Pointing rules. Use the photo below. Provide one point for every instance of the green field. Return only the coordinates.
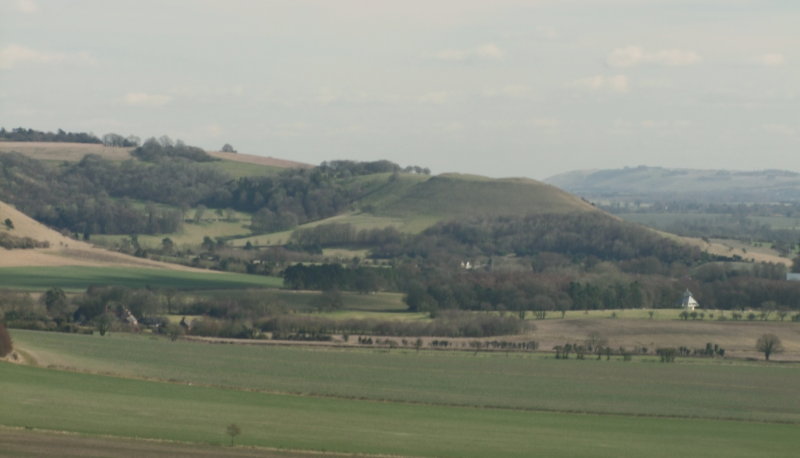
(698, 388)
(99, 405)
(238, 169)
(72, 278)
(190, 234)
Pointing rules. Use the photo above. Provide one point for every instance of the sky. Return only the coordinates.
(502, 88)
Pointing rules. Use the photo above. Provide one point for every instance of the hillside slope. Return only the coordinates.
(658, 183)
(63, 251)
(72, 152)
(451, 196)
(412, 203)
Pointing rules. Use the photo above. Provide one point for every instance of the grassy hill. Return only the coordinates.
(452, 196)
(703, 185)
(412, 203)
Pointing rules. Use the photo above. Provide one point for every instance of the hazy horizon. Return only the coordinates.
(502, 88)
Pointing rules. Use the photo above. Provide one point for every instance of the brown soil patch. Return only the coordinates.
(260, 160)
(73, 152)
(737, 338)
(63, 251)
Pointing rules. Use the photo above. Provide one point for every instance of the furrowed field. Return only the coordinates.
(427, 403)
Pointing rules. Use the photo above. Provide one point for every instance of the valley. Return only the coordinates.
(372, 309)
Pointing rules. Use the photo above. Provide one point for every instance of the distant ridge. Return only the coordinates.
(670, 183)
(73, 152)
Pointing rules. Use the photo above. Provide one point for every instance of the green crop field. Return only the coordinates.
(385, 305)
(696, 388)
(244, 169)
(72, 278)
(101, 405)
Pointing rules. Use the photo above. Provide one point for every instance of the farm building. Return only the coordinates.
(688, 302)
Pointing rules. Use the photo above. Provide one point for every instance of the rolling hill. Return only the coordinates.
(235, 163)
(62, 250)
(451, 196)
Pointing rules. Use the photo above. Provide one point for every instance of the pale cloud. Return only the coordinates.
(453, 127)
(436, 97)
(487, 51)
(613, 83)
(545, 126)
(214, 130)
(510, 90)
(631, 56)
(772, 59)
(27, 6)
(144, 99)
(15, 55)
(664, 126)
(545, 123)
(780, 129)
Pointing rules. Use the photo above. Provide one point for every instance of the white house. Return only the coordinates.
(688, 302)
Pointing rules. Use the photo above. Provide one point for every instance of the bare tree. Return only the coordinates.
(769, 344)
(233, 430)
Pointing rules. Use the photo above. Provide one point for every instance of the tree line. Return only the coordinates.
(20, 134)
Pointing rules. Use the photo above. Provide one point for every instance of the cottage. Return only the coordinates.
(688, 302)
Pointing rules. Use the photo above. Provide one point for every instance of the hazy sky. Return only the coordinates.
(494, 87)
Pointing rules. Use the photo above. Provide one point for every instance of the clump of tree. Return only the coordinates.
(327, 277)
(154, 150)
(11, 242)
(120, 141)
(667, 355)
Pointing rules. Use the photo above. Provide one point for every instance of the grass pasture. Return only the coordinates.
(431, 403)
(78, 278)
(190, 234)
(239, 169)
(99, 405)
(359, 220)
(699, 388)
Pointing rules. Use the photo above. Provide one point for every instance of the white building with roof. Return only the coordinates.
(688, 302)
